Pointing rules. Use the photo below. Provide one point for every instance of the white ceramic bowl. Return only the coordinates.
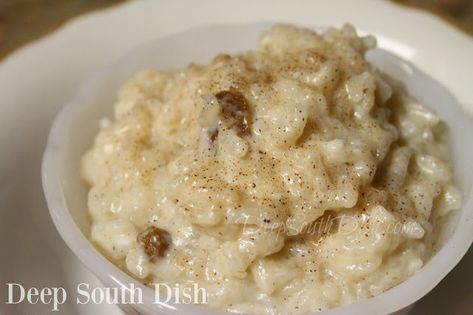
(75, 126)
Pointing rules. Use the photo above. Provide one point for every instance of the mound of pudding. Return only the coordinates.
(285, 180)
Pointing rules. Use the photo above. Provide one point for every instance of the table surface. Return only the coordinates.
(22, 21)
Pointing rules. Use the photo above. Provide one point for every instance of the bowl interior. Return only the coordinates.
(78, 122)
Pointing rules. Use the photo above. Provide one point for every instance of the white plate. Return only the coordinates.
(37, 80)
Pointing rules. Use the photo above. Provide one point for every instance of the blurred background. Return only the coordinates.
(24, 20)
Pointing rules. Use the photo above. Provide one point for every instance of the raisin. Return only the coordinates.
(235, 110)
(155, 241)
(213, 135)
